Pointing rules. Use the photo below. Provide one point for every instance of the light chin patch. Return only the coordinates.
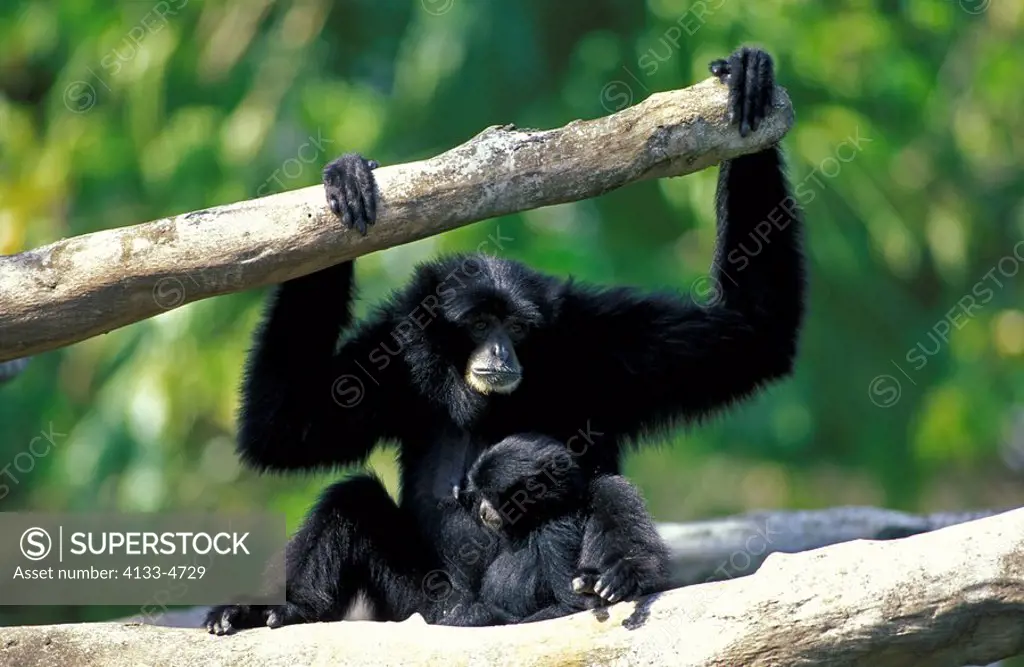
(486, 387)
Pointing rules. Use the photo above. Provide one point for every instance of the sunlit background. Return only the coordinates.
(908, 392)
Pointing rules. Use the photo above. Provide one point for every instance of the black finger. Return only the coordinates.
(370, 206)
(584, 583)
(736, 80)
(346, 215)
(368, 194)
(335, 205)
(750, 92)
(767, 77)
(608, 582)
(354, 202)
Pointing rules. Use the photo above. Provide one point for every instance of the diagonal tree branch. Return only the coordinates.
(87, 285)
(947, 598)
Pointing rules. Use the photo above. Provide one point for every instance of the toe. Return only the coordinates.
(223, 626)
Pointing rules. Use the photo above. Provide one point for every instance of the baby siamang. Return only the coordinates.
(477, 348)
(569, 542)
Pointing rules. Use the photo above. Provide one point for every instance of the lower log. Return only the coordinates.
(951, 597)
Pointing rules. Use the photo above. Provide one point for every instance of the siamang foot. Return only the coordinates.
(750, 75)
(352, 190)
(615, 584)
(226, 619)
(285, 614)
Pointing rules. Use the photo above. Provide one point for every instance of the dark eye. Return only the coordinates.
(516, 328)
(479, 326)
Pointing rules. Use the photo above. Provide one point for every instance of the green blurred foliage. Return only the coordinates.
(906, 148)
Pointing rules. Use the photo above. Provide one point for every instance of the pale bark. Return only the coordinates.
(87, 285)
(951, 597)
(735, 546)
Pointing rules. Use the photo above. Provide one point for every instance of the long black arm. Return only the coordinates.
(639, 360)
(305, 405)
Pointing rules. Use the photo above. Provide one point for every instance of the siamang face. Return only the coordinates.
(493, 365)
(521, 481)
(496, 307)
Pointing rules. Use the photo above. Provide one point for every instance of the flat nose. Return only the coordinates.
(500, 352)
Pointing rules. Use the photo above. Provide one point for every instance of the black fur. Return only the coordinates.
(569, 542)
(600, 367)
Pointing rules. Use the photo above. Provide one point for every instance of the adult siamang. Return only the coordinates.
(569, 542)
(477, 348)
